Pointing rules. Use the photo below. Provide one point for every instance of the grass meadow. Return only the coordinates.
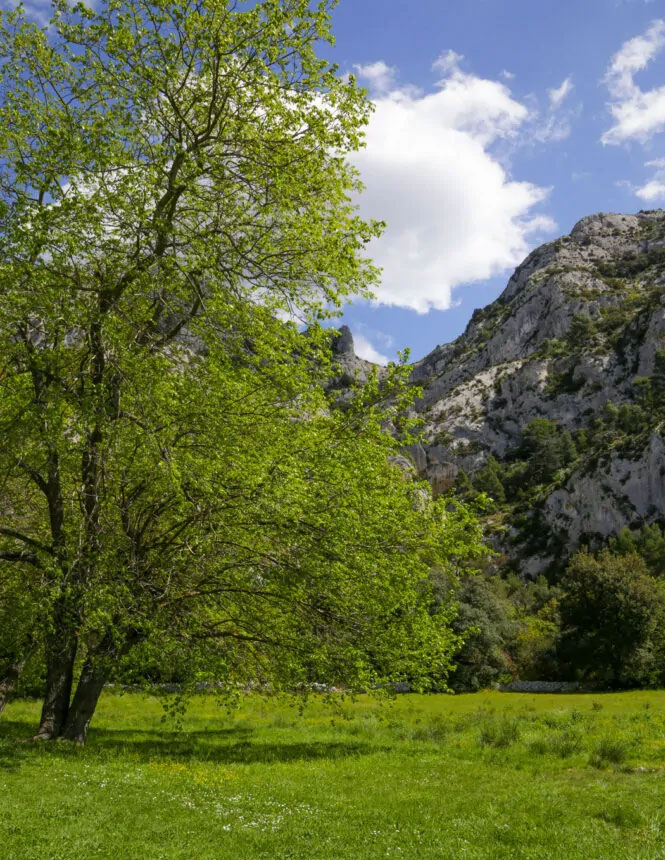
(485, 775)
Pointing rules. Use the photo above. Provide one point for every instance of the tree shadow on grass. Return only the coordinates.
(11, 756)
(182, 749)
(222, 746)
(13, 753)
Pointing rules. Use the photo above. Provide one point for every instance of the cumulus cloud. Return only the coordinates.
(366, 349)
(454, 214)
(637, 114)
(558, 94)
(654, 188)
(379, 76)
(447, 62)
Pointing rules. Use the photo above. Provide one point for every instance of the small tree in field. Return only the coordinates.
(172, 182)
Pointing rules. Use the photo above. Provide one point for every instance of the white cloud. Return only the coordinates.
(507, 75)
(447, 62)
(365, 349)
(652, 190)
(39, 10)
(553, 128)
(555, 123)
(379, 76)
(637, 114)
(558, 94)
(634, 56)
(454, 214)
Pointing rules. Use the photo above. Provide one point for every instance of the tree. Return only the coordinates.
(658, 378)
(172, 180)
(546, 449)
(567, 448)
(484, 622)
(648, 543)
(489, 480)
(612, 615)
(582, 329)
(650, 392)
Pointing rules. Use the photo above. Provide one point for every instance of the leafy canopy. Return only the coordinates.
(173, 181)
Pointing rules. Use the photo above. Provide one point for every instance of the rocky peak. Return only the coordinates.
(342, 344)
(579, 321)
(349, 366)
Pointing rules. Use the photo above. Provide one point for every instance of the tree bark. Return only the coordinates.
(85, 700)
(91, 682)
(9, 676)
(60, 656)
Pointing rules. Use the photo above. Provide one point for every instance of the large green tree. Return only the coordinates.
(172, 183)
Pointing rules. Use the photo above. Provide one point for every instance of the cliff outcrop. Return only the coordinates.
(551, 401)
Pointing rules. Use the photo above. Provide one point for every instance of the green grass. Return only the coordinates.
(476, 776)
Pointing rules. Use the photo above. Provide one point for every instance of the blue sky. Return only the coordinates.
(499, 123)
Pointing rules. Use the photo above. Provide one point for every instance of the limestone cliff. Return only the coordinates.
(573, 340)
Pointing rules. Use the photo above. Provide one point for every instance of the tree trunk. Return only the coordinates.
(60, 656)
(85, 700)
(9, 675)
(91, 683)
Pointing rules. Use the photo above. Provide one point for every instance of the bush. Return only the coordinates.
(499, 734)
(648, 542)
(434, 731)
(625, 817)
(563, 743)
(608, 751)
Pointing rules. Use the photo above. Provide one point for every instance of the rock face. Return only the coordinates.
(580, 320)
(350, 366)
(621, 492)
(342, 346)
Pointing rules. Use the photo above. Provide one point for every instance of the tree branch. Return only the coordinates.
(10, 555)
(25, 539)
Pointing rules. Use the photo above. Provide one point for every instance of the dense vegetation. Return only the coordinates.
(602, 623)
(596, 617)
(548, 453)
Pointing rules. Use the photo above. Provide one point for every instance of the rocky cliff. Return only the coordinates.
(551, 400)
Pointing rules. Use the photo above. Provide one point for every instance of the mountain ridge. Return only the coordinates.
(560, 370)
